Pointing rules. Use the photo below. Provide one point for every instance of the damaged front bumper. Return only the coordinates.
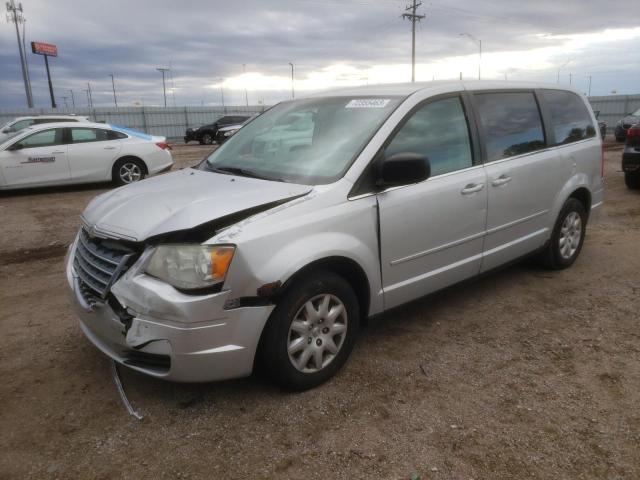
(168, 334)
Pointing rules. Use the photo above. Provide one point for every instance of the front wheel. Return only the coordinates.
(207, 139)
(632, 180)
(311, 332)
(128, 170)
(567, 237)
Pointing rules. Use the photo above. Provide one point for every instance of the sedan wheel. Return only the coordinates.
(130, 173)
(207, 139)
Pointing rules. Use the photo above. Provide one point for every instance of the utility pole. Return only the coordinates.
(89, 96)
(14, 14)
(164, 87)
(246, 96)
(413, 17)
(113, 85)
(64, 99)
(73, 100)
(589, 94)
(26, 59)
(479, 43)
(292, 95)
(560, 68)
(570, 79)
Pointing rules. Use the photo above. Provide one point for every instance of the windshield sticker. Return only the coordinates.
(368, 103)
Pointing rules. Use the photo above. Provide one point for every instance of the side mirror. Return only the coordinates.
(403, 169)
(16, 146)
(6, 130)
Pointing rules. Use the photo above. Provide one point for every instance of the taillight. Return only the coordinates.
(633, 135)
(602, 160)
(163, 145)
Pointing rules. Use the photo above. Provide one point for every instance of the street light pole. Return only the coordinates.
(113, 85)
(221, 80)
(292, 95)
(164, 87)
(589, 94)
(73, 100)
(479, 43)
(246, 96)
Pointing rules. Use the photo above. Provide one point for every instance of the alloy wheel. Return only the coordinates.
(130, 172)
(570, 235)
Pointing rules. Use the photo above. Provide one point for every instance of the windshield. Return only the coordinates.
(636, 113)
(311, 141)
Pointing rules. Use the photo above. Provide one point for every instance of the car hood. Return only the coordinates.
(179, 201)
(630, 119)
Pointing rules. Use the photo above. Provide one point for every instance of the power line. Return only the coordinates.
(413, 17)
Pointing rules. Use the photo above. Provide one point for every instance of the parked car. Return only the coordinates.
(206, 134)
(271, 253)
(224, 133)
(631, 158)
(9, 129)
(58, 153)
(625, 123)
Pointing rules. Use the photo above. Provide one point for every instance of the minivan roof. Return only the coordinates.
(406, 89)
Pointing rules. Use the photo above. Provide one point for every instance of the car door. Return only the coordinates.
(523, 174)
(431, 232)
(37, 159)
(91, 154)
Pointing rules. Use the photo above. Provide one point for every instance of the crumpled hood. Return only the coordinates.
(179, 201)
(630, 120)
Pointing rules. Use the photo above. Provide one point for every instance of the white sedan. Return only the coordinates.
(58, 153)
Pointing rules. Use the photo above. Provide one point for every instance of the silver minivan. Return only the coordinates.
(325, 211)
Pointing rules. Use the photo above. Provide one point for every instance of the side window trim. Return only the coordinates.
(482, 135)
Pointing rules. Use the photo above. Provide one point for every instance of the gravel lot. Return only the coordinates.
(521, 374)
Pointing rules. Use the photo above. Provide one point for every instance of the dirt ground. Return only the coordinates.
(523, 374)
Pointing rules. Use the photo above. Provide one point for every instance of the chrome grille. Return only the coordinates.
(98, 265)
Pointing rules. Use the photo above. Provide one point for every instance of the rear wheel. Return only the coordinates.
(128, 170)
(567, 237)
(311, 332)
(632, 180)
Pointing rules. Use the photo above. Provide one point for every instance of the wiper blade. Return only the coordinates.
(242, 172)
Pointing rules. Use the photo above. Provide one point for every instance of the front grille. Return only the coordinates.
(98, 264)
(149, 361)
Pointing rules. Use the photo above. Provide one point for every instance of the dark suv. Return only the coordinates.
(206, 134)
(631, 158)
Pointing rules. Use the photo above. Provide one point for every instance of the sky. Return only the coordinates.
(208, 44)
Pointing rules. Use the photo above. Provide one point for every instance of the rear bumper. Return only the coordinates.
(631, 159)
(172, 336)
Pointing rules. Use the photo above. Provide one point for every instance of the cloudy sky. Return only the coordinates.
(330, 42)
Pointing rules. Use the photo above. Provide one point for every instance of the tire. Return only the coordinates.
(128, 170)
(567, 237)
(207, 139)
(632, 180)
(298, 324)
(620, 139)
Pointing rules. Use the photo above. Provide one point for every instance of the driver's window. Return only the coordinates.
(45, 138)
(439, 131)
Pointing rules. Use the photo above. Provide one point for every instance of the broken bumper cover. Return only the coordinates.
(173, 336)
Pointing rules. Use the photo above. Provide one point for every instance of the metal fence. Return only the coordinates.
(171, 122)
(613, 107)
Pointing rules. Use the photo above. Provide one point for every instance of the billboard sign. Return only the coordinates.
(40, 48)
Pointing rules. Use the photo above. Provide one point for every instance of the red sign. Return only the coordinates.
(40, 48)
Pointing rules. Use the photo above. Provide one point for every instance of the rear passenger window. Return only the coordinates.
(84, 135)
(569, 116)
(439, 131)
(113, 135)
(511, 123)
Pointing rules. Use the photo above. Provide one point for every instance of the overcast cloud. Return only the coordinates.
(330, 42)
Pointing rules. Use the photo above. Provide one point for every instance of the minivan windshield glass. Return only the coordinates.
(312, 141)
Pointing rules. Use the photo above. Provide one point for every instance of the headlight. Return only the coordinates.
(190, 267)
(229, 133)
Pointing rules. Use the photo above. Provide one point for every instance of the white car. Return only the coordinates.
(9, 129)
(58, 153)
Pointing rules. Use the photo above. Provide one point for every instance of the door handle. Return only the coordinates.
(472, 188)
(57, 153)
(501, 180)
(109, 148)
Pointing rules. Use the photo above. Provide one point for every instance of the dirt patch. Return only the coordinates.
(521, 374)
